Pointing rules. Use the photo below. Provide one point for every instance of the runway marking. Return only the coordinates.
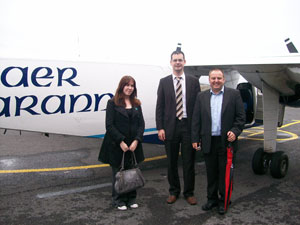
(253, 132)
(249, 137)
(71, 168)
(72, 191)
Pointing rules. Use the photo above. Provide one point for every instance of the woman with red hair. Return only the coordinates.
(124, 133)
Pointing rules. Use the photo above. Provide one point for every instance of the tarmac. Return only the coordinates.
(58, 180)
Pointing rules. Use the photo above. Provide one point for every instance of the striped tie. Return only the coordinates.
(179, 103)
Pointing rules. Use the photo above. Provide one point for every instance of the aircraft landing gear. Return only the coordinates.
(278, 163)
(260, 162)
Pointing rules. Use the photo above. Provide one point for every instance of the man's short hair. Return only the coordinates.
(177, 53)
(215, 69)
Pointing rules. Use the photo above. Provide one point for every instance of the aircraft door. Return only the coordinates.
(248, 96)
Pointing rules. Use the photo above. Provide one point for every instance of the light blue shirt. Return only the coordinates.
(216, 101)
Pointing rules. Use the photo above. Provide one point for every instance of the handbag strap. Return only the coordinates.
(123, 159)
(135, 162)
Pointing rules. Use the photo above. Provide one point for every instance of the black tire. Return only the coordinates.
(279, 164)
(260, 162)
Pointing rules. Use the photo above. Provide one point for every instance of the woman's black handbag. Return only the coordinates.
(129, 180)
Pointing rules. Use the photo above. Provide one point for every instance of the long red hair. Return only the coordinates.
(119, 98)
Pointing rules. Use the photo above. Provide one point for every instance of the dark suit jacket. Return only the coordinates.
(119, 127)
(166, 103)
(232, 118)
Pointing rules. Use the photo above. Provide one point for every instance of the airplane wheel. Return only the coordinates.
(279, 164)
(260, 162)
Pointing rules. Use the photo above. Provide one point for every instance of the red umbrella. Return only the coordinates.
(228, 175)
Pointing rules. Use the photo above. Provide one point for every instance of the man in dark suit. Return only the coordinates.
(176, 96)
(218, 118)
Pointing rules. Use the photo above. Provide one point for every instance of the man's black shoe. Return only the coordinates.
(221, 210)
(209, 206)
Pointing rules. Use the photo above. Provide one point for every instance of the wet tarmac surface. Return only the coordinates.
(69, 186)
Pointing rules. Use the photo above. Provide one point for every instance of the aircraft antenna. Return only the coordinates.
(78, 43)
(291, 47)
(178, 49)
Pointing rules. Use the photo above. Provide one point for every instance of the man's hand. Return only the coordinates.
(196, 146)
(162, 135)
(231, 136)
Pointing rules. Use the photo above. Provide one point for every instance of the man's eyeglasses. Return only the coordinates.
(177, 60)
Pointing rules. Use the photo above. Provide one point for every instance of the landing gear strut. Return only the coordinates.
(278, 163)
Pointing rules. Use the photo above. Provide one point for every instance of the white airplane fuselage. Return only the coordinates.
(69, 97)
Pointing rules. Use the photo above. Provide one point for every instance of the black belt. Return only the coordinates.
(215, 136)
(182, 120)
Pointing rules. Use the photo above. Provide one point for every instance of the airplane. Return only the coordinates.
(65, 97)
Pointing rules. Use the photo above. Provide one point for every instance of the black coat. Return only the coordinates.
(166, 103)
(232, 118)
(120, 127)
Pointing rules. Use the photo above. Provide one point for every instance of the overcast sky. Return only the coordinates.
(138, 31)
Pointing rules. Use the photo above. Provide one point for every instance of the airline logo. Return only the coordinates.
(15, 77)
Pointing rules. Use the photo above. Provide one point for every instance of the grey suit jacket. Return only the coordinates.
(166, 104)
(232, 118)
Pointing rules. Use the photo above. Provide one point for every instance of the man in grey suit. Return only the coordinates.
(218, 119)
(176, 96)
